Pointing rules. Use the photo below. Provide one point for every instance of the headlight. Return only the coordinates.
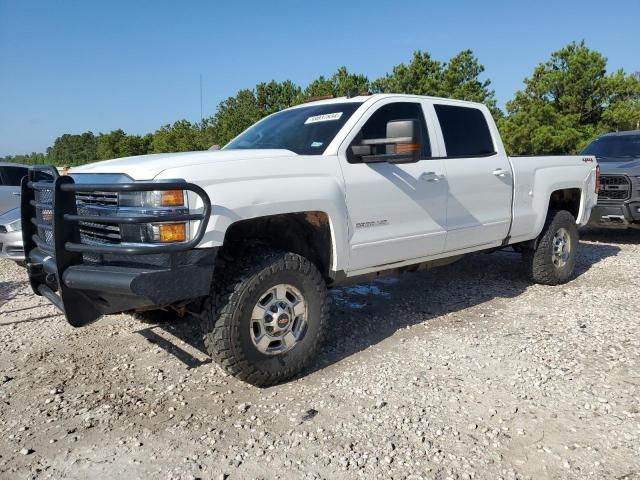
(155, 203)
(155, 232)
(14, 226)
(154, 199)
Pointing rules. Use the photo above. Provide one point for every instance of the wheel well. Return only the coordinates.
(566, 199)
(305, 233)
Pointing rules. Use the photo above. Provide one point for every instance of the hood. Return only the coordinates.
(147, 167)
(630, 167)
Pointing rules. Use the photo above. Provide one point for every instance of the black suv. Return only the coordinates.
(619, 197)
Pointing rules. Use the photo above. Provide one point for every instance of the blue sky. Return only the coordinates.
(72, 66)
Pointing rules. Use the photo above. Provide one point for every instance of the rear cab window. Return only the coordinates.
(465, 131)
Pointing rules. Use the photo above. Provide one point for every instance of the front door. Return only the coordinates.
(397, 211)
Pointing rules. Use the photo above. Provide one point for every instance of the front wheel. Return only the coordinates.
(266, 317)
(553, 260)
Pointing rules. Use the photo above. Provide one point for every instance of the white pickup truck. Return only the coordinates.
(248, 238)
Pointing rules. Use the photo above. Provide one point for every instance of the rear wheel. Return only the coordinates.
(266, 317)
(553, 261)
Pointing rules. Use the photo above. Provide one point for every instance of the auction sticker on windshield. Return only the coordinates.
(327, 117)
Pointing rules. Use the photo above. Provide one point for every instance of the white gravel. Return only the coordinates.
(467, 371)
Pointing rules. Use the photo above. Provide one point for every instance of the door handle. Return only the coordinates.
(499, 172)
(430, 177)
(17, 194)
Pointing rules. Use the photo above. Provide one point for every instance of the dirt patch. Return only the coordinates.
(467, 371)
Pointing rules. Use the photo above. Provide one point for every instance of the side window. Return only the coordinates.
(465, 131)
(12, 176)
(376, 126)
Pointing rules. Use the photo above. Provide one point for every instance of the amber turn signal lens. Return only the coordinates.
(407, 147)
(172, 198)
(173, 232)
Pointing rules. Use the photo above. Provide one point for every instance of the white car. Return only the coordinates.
(248, 238)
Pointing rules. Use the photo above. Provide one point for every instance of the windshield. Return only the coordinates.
(614, 148)
(304, 130)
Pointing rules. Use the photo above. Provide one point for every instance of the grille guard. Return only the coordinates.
(46, 268)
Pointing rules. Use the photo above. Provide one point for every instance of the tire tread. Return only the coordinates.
(540, 266)
(221, 335)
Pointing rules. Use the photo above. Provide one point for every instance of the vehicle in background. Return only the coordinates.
(11, 236)
(618, 155)
(10, 176)
(248, 238)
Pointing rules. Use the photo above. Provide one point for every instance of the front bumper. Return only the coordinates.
(88, 291)
(623, 215)
(86, 281)
(11, 246)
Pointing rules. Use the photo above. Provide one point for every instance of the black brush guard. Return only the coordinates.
(84, 292)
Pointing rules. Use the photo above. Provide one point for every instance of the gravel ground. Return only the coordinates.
(467, 371)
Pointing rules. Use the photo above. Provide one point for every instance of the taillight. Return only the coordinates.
(597, 178)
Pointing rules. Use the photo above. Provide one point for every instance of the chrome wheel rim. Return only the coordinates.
(561, 248)
(278, 320)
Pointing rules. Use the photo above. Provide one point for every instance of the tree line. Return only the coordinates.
(567, 101)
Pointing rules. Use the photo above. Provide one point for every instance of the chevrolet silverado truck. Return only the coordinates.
(618, 155)
(249, 238)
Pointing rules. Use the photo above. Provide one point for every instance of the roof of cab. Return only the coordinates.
(378, 96)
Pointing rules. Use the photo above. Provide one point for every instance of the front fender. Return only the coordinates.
(257, 194)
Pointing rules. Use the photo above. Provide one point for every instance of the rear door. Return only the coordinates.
(396, 210)
(10, 178)
(479, 178)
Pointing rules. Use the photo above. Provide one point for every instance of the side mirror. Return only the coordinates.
(399, 146)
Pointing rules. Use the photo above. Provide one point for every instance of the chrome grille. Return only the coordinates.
(97, 198)
(614, 189)
(93, 203)
(99, 233)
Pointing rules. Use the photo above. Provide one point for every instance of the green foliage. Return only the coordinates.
(182, 136)
(568, 101)
(338, 85)
(118, 144)
(30, 159)
(422, 76)
(237, 113)
(234, 115)
(459, 78)
(73, 149)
